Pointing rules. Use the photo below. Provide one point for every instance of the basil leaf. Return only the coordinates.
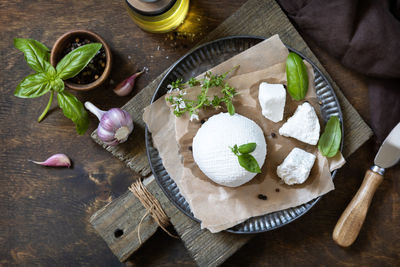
(297, 76)
(36, 54)
(74, 110)
(51, 73)
(76, 60)
(57, 85)
(235, 150)
(247, 148)
(33, 85)
(248, 162)
(329, 141)
(231, 108)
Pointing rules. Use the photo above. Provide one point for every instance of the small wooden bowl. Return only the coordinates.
(67, 38)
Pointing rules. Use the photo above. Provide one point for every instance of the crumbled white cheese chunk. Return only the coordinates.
(272, 98)
(212, 152)
(296, 167)
(303, 125)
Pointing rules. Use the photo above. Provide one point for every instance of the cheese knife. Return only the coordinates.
(349, 224)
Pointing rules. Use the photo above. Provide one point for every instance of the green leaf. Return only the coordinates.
(248, 162)
(329, 142)
(51, 73)
(297, 76)
(247, 148)
(74, 110)
(57, 85)
(36, 54)
(33, 85)
(76, 60)
(235, 150)
(231, 108)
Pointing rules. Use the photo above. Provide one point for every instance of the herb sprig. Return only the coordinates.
(50, 79)
(246, 160)
(182, 105)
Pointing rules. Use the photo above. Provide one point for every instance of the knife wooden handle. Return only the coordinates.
(349, 224)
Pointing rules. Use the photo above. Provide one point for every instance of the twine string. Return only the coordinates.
(152, 206)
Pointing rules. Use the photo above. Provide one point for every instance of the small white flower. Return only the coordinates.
(169, 86)
(182, 104)
(194, 117)
(175, 106)
(182, 93)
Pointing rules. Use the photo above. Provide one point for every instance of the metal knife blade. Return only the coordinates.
(389, 152)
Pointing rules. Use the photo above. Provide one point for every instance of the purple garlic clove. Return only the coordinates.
(57, 160)
(126, 86)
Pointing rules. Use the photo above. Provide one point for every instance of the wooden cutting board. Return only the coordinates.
(118, 222)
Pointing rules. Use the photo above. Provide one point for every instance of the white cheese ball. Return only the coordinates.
(212, 153)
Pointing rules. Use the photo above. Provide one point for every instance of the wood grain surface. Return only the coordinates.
(44, 212)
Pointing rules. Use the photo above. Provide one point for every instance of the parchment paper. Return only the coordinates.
(220, 207)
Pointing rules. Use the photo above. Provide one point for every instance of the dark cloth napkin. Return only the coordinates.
(365, 36)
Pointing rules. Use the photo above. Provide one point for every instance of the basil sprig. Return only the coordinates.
(297, 76)
(50, 79)
(329, 142)
(246, 160)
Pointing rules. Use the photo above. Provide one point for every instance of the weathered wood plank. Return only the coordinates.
(118, 224)
(207, 249)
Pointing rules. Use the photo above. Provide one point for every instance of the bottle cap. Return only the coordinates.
(150, 7)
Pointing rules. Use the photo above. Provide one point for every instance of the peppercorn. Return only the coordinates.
(262, 197)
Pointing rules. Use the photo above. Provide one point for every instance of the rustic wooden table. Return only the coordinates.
(44, 211)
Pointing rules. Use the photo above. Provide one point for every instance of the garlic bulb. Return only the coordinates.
(115, 125)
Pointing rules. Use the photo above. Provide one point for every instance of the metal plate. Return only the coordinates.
(200, 60)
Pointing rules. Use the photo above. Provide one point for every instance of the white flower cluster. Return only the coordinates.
(179, 103)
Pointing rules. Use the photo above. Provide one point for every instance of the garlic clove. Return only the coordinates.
(126, 86)
(57, 160)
